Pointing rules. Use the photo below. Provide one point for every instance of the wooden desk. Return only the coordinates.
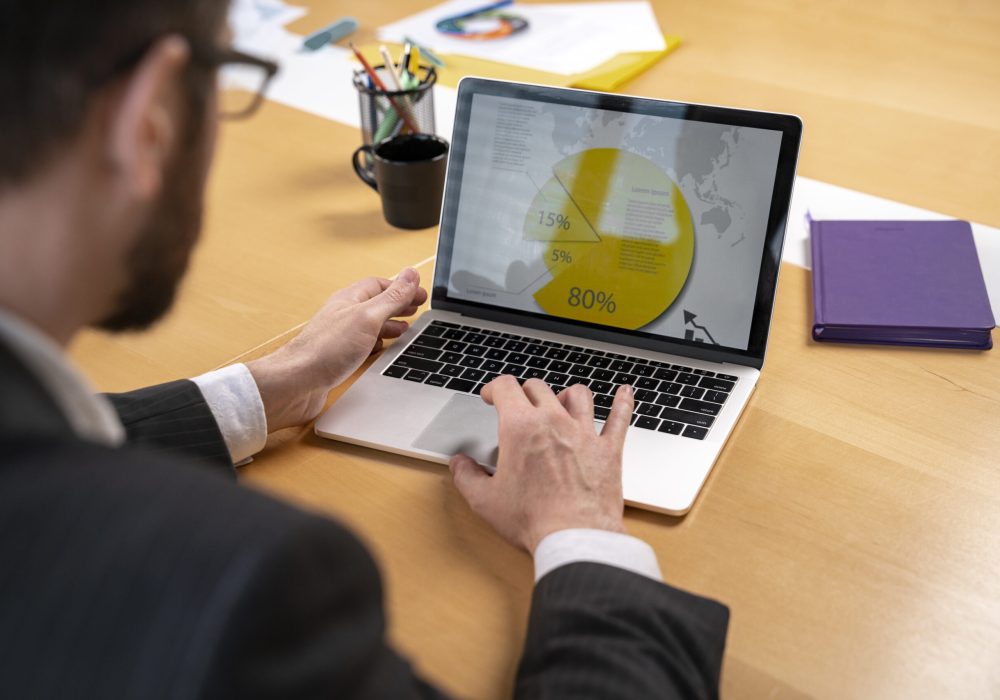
(852, 521)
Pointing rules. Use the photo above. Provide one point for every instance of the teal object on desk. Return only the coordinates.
(335, 32)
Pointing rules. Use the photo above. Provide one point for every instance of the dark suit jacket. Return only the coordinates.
(145, 572)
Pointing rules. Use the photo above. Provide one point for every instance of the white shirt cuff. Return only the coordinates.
(233, 397)
(596, 546)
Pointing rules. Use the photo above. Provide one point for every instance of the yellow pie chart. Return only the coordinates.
(619, 237)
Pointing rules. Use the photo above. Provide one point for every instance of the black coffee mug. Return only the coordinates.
(408, 173)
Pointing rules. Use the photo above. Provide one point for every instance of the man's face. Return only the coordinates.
(162, 248)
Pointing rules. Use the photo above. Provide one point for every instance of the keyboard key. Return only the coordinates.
(556, 378)
(688, 417)
(476, 338)
(668, 375)
(578, 380)
(557, 388)
(603, 375)
(647, 422)
(669, 426)
(451, 357)
(445, 324)
(646, 383)
(670, 400)
(473, 374)
(452, 370)
(491, 366)
(580, 370)
(435, 330)
(455, 346)
(716, 384)
(601, 362)
(578, 357)
(429, 341)
(602, 387)
(470, 361)
(556, 354)
(437, 380)
(716, 396)
(518, 358)
(642, 370)
(416, 375)
(550, 343)
(514, 345)
(478, 389)
(622, 378)
(648, 409)
(495, 354)
(686, 378)
(395, 371)
(534, 373)
(489, 377)
(601, 413)
(603, 400)
(476, 350)
(726, 377)
(695, 432)
(461, 385)
(424, 352)
(669, 388)
(692, 392)
(704, 373)
(559, 366)
(620, 366)
(645, 395)
(515, 370)
(682, 368)
(410, 362)
(493, 342)
(703, 407)
(533, 349)
(538, 362)
(454, 334)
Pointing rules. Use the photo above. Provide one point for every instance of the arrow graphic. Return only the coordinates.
(690, 317)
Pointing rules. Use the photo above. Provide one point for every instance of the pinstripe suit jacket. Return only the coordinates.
(146, 572)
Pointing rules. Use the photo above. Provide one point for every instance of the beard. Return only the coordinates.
(161, 252)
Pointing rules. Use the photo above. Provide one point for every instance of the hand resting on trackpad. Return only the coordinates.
(466, 424)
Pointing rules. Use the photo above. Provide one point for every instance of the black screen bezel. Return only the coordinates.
(790, 127)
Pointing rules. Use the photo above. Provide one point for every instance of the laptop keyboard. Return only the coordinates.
(670, 398)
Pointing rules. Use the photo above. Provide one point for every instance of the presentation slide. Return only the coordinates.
(624, 220)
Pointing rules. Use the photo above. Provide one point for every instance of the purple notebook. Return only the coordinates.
(899, 283)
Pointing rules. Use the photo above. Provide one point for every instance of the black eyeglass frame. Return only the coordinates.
(210, 58)
(214, 58)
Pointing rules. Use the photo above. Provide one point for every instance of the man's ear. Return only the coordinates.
(147, 116)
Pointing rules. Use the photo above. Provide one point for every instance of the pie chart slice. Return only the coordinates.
(620, 241)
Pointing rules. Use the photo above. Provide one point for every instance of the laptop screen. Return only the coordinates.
(626, 215)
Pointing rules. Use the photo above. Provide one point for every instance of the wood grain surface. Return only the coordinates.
(852, 523)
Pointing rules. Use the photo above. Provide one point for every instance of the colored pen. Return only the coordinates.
(426, 52)
(381, 86)
(404, 61)
(344, 26)
(390, 67)
(481, 10)
(414, 64)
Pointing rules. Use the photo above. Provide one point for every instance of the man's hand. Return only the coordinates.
(553, 472)
(295, 379)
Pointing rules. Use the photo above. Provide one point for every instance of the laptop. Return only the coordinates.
(596, 239)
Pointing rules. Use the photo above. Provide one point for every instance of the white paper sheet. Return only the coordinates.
(563, 38)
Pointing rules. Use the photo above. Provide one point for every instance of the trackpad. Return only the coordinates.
(466, 424)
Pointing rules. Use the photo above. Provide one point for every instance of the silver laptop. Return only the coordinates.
(596, 239)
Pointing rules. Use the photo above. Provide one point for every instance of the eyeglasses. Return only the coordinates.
(238, 103)
(233, 104)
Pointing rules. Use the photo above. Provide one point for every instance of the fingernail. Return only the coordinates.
(629, 391)
(407, 275)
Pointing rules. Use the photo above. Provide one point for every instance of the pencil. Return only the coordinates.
(381, 86)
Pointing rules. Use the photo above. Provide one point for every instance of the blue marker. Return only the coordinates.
(335, 32)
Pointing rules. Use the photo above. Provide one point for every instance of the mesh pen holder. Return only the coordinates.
(380, 118)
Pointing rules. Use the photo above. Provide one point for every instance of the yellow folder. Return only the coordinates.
(605, 77)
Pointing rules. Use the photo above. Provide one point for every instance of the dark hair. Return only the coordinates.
(56, 55)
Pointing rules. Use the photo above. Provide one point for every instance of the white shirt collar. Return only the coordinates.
(91, 415)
